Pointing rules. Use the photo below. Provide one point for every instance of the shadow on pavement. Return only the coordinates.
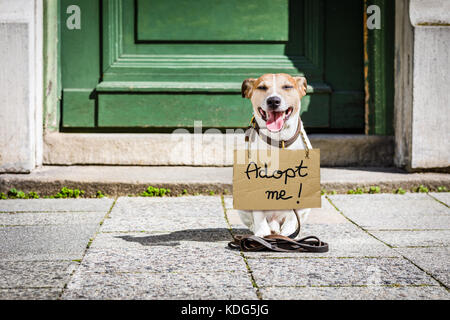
(172, 239)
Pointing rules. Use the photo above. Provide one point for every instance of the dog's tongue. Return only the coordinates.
(275, 121)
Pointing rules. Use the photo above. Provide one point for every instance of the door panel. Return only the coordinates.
(209, 61)
(212, 20)
(170, 110)
(344, 66)
(79, 58)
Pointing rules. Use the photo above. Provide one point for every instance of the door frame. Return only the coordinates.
(57, 144)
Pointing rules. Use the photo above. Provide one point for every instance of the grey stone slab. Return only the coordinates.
(163, 252)
(30, 294)
(190, 206)
(337, 272)
(442, 196)
(327, 214)
(166, 214)
(355, 293)
(344, 240)
(162, 223)
(431, 13)
(388, 211)
(139, 240)
(182, 258)
(430, 147)
(53, 205)
(388, 179)
(18, 89)
(414, 238)
(20, 274)
(50, 218)
(217, 150)
(436, 261)
(179, 286)
(45, 242)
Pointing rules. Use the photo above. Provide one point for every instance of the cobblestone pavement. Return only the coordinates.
(382, 246)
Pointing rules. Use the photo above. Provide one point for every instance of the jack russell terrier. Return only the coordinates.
(276, 108)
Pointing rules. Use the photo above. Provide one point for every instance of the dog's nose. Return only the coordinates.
(273, 102)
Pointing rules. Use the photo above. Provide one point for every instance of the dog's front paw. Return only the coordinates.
(262, 231)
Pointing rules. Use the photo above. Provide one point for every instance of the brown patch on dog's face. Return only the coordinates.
(275, 97)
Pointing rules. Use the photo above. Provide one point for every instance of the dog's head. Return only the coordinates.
(275, 97)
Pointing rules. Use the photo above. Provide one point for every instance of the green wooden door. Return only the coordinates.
(152, 66)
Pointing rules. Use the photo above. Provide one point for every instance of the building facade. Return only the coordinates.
(109, 82)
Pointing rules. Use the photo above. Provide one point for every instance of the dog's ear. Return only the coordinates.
(302, 85)
(247, 88)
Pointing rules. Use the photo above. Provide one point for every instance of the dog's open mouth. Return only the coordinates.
(275, 119)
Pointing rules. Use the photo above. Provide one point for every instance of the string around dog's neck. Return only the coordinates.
(277, 143)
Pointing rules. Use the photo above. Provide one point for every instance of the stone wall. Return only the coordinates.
(422, 98)
(20, 85)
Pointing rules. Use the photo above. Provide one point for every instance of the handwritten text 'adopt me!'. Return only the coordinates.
(294, 183)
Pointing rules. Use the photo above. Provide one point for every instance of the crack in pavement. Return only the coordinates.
(87, 248)
(390, 246)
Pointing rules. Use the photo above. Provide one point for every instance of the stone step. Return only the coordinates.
(127, 180)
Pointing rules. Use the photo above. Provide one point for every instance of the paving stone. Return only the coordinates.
(35, 273)
(186, 257)
(355, 293)
(53, 205)
(344, 240)
(337, 272)
(30, 294)
(183, 252)
(137, 240)
(180, 286)
(389, 211)
(50, 218)
(163, 223)
(436, 261)
(326, 215)
(414, 238)
(163, 252)
(45, 242)
(442, 196)
(166, 214)
(192, 206)
(343, 237)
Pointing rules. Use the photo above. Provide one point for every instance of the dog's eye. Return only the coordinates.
(264, 88)
(286, 87)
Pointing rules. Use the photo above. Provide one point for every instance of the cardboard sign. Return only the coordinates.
(276, 179)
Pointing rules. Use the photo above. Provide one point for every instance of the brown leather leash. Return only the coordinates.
(279, 243)
(274, 242)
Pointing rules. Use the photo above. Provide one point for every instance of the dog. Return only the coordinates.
(276, 109)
